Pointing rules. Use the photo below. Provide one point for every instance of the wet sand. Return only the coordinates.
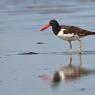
(26, 54)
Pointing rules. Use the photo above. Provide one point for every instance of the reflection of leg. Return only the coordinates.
(70, 52)
(80, 59)
(70, 59)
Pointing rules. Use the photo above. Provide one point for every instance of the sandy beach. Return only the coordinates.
(26, 54)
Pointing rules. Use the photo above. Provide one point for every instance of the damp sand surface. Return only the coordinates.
(26, 54)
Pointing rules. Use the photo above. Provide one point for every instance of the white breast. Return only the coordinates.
(61, 33)
(67, 37)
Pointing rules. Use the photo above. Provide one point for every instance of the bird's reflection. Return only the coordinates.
(71, 72)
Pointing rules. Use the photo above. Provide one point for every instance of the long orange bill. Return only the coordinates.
(45, 27)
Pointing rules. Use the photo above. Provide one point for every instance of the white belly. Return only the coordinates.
(67, 37)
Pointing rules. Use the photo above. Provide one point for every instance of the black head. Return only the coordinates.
(54, 23)
(55, 26)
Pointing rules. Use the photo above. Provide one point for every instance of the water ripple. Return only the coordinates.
(59, 53)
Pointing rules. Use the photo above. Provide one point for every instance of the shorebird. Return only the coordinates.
(68, 33)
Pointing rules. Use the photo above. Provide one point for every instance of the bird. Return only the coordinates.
(68, 33)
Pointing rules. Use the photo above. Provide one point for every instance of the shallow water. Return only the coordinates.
(23, 59)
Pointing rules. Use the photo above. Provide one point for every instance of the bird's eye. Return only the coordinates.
(50, 22)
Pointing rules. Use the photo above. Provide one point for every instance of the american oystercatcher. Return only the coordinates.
(68, 33)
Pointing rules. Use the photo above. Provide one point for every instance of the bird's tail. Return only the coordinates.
(92, 33)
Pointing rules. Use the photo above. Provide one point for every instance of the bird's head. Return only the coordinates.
(52, 23)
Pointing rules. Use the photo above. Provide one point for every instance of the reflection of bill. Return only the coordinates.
(68, 72)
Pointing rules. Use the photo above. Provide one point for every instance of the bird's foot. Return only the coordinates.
(79, 51)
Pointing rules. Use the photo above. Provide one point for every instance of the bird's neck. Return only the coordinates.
(55, 29)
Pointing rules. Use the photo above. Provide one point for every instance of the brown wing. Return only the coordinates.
(76, 30)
